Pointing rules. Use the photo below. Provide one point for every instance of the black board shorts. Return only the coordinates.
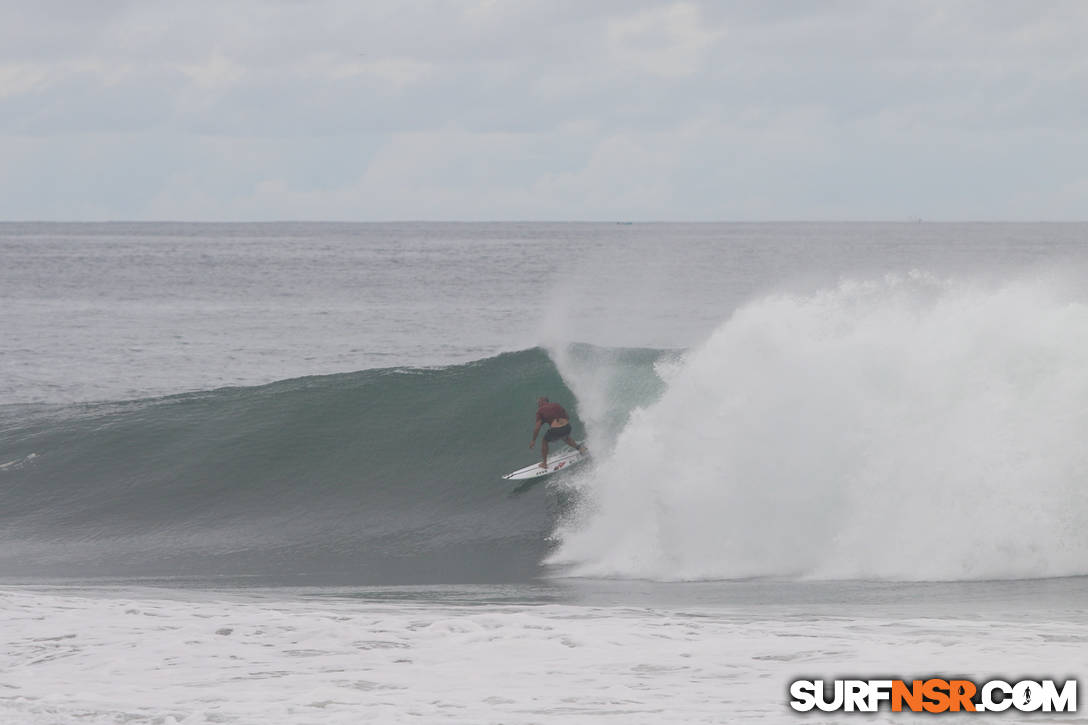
(556, 434)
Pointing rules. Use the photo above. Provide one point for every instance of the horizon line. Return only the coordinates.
(622, 222)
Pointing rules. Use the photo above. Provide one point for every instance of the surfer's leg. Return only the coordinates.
(575, 444)
(544, 450)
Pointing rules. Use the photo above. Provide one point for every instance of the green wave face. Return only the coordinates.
(379, 476)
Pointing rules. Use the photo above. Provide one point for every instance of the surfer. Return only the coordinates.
(558, 427)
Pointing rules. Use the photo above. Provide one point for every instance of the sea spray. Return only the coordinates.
(608, 383)
(902, 428)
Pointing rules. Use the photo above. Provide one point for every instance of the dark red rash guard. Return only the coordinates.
(550, 411)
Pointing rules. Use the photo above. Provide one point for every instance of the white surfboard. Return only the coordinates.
(556, 462)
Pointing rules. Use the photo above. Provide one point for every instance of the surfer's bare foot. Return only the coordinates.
(543, 465)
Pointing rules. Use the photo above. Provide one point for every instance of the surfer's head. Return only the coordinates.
(542, 400)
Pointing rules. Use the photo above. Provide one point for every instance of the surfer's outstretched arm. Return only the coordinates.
(536, 432)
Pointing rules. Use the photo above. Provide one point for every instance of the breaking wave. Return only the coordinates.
(904, 428)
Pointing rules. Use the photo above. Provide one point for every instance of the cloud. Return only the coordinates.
(216, 72)
(669, 41)
(21, 78)
(496, 110)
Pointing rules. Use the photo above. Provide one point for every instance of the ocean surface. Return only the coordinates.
(251, 472)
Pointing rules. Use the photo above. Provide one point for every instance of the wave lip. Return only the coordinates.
(905, 428)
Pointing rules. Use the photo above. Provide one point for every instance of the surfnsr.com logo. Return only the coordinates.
(934, 695)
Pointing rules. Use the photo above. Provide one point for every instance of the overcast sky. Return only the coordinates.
(391, 109)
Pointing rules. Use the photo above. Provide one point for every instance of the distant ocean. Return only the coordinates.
(251, 472)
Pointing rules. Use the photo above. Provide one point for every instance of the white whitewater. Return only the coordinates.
(905, 428)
